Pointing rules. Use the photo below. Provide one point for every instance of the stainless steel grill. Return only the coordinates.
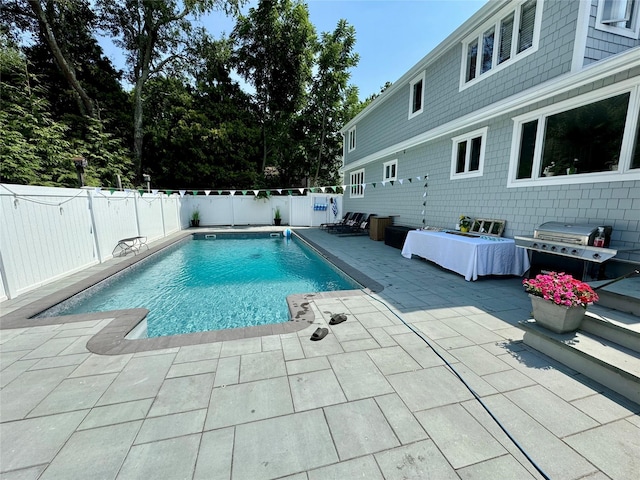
(569, 240)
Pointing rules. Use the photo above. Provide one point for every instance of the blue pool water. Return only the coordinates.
(203, 285)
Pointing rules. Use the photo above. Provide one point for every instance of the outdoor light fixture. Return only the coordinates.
(80, 163)
(147, 178)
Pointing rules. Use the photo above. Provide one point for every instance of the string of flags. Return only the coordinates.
(270, 191)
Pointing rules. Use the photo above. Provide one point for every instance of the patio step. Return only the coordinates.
(601, 359)
(620, 328)
(623, 295)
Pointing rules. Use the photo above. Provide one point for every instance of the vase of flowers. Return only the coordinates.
(559, 301)
(465, 223)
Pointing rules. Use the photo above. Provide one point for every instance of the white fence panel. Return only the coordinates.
(322, 209)
(249, 211)
(170, 214)
(115, 218)
(214, 210)
(149, 210)
(301, 211)
(284, 204)
(46, 234)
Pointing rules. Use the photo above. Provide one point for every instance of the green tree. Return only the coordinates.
(274, 54)
(335, 58)
(33, 147)
(153, 35)
(49, 21)
(37, 149)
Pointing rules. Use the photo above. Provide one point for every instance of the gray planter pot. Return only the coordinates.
(557, 318)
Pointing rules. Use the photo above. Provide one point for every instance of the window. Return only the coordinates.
(579, 140)
(621, 17)
(508, 37)
(390, 170)
(467, 159)
(416, 100)
(357, 184)
(352, 139)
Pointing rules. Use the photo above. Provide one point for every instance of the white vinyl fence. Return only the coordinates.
(47, 233)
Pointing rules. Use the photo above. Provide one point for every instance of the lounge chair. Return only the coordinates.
(361, 229)
(355, 219)
(347, 216)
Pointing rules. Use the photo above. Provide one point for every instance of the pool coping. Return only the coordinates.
(111, 340)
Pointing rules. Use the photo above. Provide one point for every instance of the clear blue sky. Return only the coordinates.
(391, 35)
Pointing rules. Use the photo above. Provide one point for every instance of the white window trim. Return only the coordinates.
(467, 137)
(417, 79)
(515, 57)
(384, 171)
(351, 139)
(633, 32)
(356, 190)
(623, 173)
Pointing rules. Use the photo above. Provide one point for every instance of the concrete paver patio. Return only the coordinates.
(371, 400)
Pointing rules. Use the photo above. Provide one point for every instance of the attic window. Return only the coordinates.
(351, 139)
(416, 97)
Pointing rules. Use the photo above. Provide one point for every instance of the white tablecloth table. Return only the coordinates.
(469, 256)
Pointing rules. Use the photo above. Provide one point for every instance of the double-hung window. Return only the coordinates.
(351, 139)
(621, 17)
(587, 139)
(508, 37)
(390, 171)
(416, 97)
(356, 187)
(467, 157)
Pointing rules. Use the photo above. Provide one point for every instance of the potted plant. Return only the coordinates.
(277, 218)
(195, 218)
(559, 301)
(465, 223)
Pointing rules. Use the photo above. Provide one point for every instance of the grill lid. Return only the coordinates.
(575, 234)
(568, 229)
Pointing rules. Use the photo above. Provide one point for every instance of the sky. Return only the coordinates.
(391, 35)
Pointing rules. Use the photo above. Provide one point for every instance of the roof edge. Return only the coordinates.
(572, 80)
(486, 11)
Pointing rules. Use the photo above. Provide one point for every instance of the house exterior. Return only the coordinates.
(528, 112)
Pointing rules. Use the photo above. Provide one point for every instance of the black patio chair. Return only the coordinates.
(347, 216)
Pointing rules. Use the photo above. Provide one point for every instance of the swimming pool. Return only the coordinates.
(223, 281)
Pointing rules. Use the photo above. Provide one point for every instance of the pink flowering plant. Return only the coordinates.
(561, 289)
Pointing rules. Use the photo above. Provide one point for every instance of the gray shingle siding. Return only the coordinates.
(616, 203)
(444, 102)
(601, 45)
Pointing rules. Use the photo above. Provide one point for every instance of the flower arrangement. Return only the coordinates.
(561, 289)
(465, 222)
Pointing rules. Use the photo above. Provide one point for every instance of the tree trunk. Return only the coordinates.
(138, 128)
(322, 134)
(85, 103)
(264, 148)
